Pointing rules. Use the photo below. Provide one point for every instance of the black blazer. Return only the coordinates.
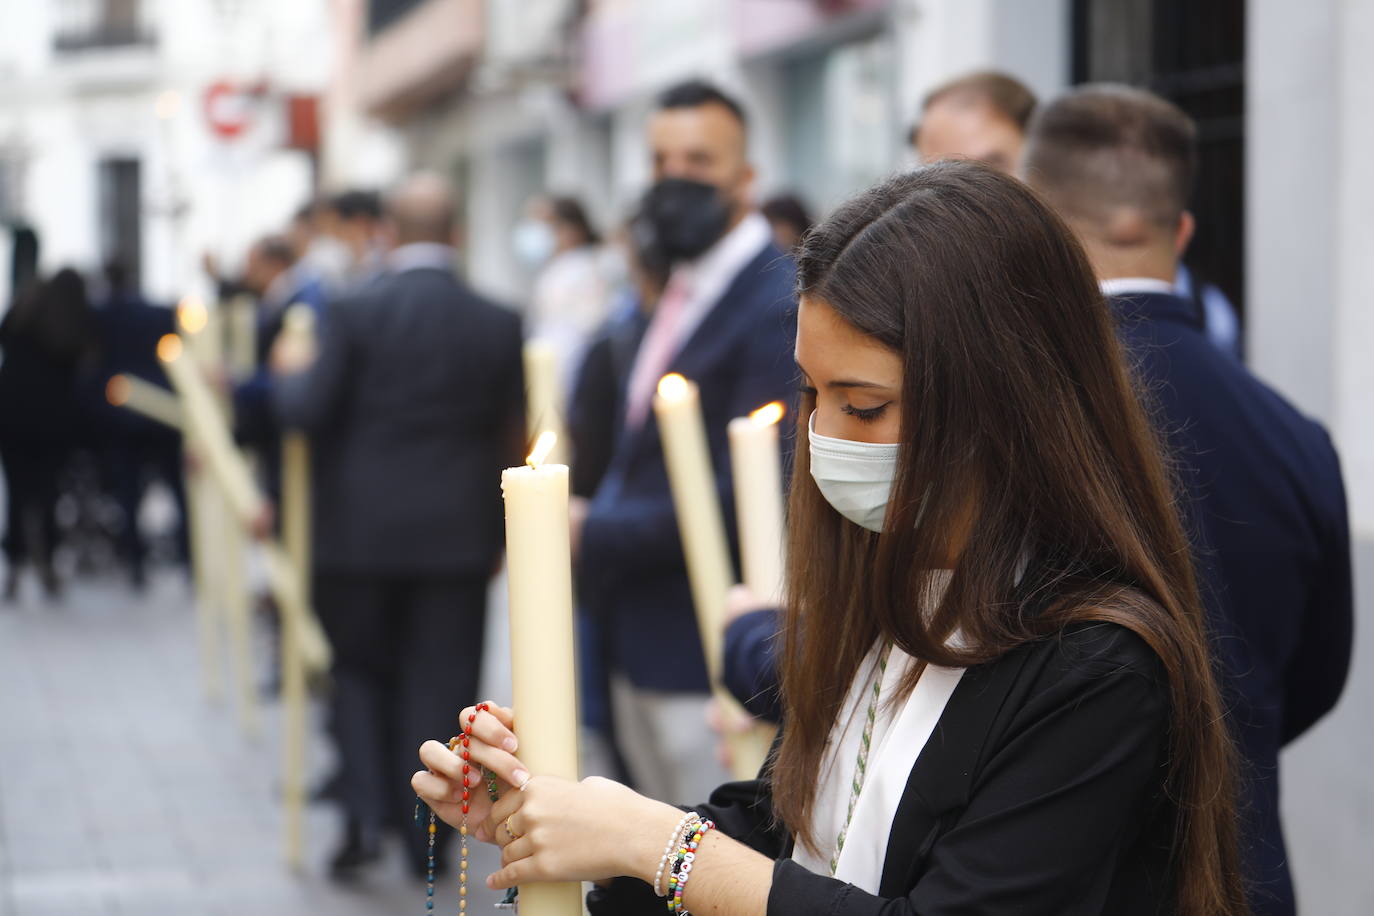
(414, 407)
(631, 573)
(1041, 791)
(1268, 512)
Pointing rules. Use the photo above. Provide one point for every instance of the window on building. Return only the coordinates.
(87, 24)
(382, 13)
(839, 120)
(121, 214)
(1194, 55)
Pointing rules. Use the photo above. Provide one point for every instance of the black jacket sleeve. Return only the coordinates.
(740, 810)
(1060, 795)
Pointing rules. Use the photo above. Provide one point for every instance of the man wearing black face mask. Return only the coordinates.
(723, 321)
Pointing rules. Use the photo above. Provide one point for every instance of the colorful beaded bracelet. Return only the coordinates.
(687, 855)
(674, 840)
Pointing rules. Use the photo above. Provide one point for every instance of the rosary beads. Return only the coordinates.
(459, 746)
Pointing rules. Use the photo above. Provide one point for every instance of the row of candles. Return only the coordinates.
(538, 550)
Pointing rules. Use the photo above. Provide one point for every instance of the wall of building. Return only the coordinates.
(830, 101)
(66, 112)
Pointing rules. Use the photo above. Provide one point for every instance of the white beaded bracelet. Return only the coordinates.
(675, 840)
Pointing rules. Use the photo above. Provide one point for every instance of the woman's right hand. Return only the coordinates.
(492, 745)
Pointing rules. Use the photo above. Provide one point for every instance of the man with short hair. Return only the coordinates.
(414, 406)
(979, 116)
(723, 321)
(354, 219)
(1263, 483)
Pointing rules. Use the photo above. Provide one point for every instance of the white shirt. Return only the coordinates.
(708, 277)
(900, 732)
(1125, 286)
(422, 254)
(571, 298)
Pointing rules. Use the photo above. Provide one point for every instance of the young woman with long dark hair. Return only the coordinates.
(996, 685)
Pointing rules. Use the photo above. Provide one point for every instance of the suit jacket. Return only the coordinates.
(1267, 508)
(128, 328)
(414, 407)
(595, 408)
(254, 421)
(1041, 791)
(631, 570)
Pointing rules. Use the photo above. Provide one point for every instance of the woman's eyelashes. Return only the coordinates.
(865, 414)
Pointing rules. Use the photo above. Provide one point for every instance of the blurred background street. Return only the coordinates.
(123, 791)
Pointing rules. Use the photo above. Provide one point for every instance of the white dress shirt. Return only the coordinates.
(422, 254)
(1125, 286)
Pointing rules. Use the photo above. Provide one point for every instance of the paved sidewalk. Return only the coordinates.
(122, 790)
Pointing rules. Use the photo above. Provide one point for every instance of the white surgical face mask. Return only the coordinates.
(854, 477)
(533, 241)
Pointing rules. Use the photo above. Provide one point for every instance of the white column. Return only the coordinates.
(1309, 230)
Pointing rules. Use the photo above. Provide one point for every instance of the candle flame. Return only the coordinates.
(768, 414)
(168, 104)
(673, 387)
(117, 390)
(192, 315)
(168, 348)
(542, 446)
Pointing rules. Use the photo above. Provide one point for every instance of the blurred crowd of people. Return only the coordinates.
(414, 401)
(76, 467)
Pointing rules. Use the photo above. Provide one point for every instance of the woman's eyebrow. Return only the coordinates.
(843, 382)
(853, 383)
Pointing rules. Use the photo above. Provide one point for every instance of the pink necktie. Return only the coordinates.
(659, 346)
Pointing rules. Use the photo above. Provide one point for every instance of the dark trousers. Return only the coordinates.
(129, 466)
(406, 656)
(31, 485)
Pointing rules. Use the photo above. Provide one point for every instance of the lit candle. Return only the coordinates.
(144, 398)
(243, 336)
(701, 526)
(206, 426)
(543, 674)
(543, 395)
(216, 548)
(206, 422)
(299, 328)
(756, 462)
(201, 328)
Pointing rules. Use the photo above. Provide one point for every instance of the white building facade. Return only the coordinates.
(158, 130)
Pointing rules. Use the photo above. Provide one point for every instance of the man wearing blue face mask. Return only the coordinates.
(725, 321)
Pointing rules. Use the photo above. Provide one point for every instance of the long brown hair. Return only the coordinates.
(1021, 427)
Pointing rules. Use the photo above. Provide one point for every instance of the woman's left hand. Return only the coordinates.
(558, 830)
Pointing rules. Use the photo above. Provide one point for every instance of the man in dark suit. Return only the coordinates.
(1265, 497)
(128, 328)
(724, 321)
(414, 406)
(278, 279)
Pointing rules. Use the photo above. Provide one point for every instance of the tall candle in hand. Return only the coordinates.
(539, 560)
